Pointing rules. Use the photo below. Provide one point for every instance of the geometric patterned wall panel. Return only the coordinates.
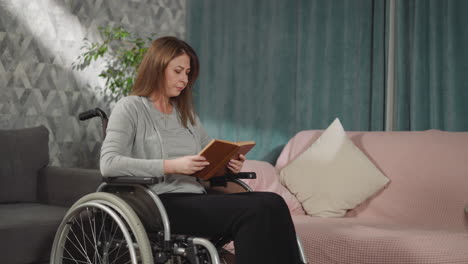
(40, 39)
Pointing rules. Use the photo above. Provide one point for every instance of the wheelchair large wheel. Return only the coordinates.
(101, 228)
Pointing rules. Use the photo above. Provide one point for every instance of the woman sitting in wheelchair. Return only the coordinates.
(155, 132)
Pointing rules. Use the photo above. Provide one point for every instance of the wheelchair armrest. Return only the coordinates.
(242, 175)
(222, 180)
(132, 180)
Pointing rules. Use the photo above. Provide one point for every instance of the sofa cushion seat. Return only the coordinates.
(28, 227)
(332, 240)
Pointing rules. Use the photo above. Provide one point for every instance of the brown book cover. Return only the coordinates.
(218, 153)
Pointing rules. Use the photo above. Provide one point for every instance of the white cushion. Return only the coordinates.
(332, 175)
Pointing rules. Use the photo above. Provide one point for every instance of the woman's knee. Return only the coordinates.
(269, 202)
(274, 200)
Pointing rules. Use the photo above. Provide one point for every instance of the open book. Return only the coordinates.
(218, 153)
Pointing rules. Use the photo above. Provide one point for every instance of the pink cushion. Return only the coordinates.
(267, 180)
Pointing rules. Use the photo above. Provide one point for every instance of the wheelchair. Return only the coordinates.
(125, 222)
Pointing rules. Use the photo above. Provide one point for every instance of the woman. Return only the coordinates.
(155, 132)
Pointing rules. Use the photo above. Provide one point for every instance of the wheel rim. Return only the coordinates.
(95, 234)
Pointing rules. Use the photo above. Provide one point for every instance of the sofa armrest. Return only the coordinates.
(64, 186)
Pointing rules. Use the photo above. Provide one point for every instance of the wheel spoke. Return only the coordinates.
(118, 248)
(78, 248)
(118, 257)
(101, 230)
(73, 259)
(114, 232)
(84, 233)
(92, 224)
(81, 226)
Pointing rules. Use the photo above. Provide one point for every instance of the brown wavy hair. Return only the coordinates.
(151, 78)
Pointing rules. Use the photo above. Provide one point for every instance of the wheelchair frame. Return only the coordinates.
(144, 233)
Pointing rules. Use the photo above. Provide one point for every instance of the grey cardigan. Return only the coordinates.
(134, 146)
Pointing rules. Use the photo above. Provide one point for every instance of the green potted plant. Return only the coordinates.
(122, 53)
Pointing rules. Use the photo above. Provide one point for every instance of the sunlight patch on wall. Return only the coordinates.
(60, 33)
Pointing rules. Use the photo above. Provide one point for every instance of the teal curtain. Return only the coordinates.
(270, 68)
(341, 64)
(431, 65)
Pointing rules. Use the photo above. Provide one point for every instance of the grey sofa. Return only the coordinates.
(34, 197)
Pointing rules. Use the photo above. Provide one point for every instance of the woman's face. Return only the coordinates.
(176, 75)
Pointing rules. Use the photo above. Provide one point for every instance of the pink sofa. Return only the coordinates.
(418, 218)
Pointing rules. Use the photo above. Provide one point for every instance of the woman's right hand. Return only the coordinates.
(187, 165)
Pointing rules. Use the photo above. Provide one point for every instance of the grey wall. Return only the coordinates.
(39, 39)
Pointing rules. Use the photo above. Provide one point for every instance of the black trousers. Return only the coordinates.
(259, 223)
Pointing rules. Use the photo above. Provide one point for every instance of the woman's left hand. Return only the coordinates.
(235, 165)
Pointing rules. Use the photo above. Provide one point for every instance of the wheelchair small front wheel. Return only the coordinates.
(101, 228)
